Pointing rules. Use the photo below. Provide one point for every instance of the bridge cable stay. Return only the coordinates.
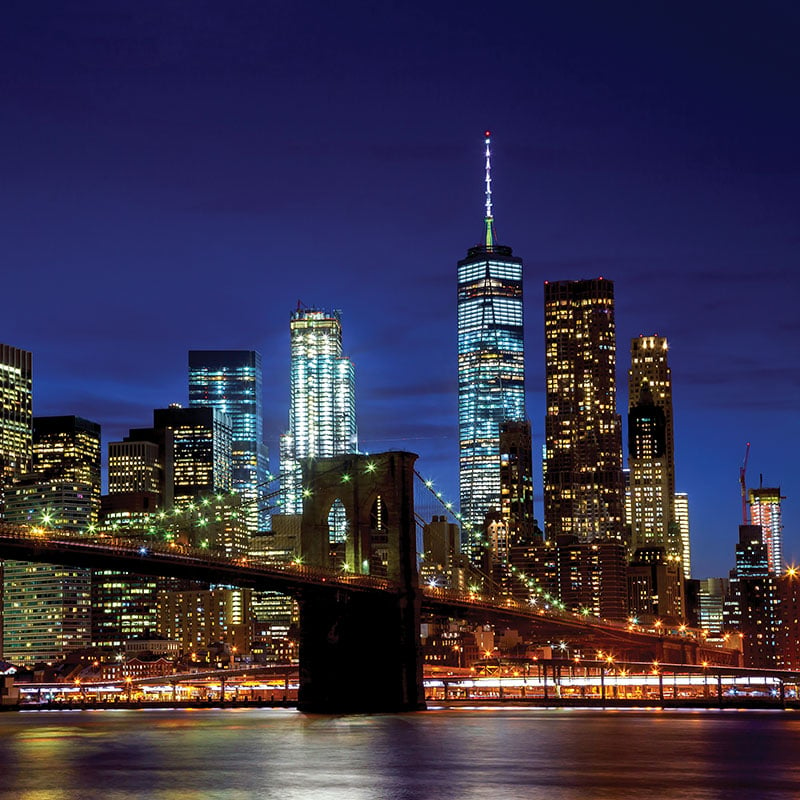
(530, 582)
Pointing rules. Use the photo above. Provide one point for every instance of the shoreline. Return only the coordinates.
(685, 704)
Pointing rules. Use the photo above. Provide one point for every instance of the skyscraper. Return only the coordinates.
(682, 520)
(201, 450)
(16, 413)
(47, 607)
(765, 511)
(752, 603)
(491, 368)
(322, 415)
(649, 362)
(652, 505)
(516, 480)
(68, 448)
(231, 381)
(651, 457)
(583, 486)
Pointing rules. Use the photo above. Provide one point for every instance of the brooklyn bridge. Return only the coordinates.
(350, 618)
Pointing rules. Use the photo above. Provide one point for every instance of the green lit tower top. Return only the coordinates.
(491, 370)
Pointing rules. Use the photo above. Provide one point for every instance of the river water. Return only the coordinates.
(497, 754)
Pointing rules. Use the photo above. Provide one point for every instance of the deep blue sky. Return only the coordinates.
(178, 175)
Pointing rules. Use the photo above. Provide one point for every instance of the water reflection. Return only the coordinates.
(563, 754)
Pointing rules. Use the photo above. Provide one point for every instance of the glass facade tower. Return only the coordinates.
(491, 369)
(231, 381)
(322, 416)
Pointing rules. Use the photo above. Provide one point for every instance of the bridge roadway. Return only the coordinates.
(162, 559)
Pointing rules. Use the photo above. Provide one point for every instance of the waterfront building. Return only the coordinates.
(139, 489)
(274, 614)
(583, 484)
(491, 368)
(322, 418)
(765, 511)
(16, 414)
(198, 617)
(47, 611)
(47, 607)
(231, 381)
(123, 607)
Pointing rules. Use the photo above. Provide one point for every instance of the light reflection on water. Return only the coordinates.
(497, 754)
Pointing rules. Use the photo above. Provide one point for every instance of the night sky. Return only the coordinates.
(178, 175)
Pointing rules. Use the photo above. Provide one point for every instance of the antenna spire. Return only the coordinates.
(489, 219)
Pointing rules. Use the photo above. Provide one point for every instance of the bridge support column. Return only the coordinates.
(359, 653)
(359, 648)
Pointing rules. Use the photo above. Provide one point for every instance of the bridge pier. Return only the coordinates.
(359, 653)
(360, 650)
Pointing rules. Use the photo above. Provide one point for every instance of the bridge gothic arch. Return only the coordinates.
(377, 494)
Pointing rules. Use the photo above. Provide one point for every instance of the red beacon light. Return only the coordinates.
(487, 134)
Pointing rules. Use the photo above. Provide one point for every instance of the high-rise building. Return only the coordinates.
(652, 520)
(711, 603)
(231, 381)
(681, 506)
(765, 511)
(201, 450)
(46, 611)
(16, 413)
(491, 368)
(752, 604)
(649, 363)
(134, 467)
(651, 448)
(587, 577)
(322, 417)
(139, 486)
(516, 480)
(68, 448)
(789, 617)
(583, 485)
(47, 607)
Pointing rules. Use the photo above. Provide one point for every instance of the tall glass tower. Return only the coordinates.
(322, 411)
(231, 381)
(491, 369)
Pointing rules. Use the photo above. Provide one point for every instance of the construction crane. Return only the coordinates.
(743, 483)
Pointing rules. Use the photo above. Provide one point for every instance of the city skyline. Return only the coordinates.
(151, 209)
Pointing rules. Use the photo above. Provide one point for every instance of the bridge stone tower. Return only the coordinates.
(360, 649)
